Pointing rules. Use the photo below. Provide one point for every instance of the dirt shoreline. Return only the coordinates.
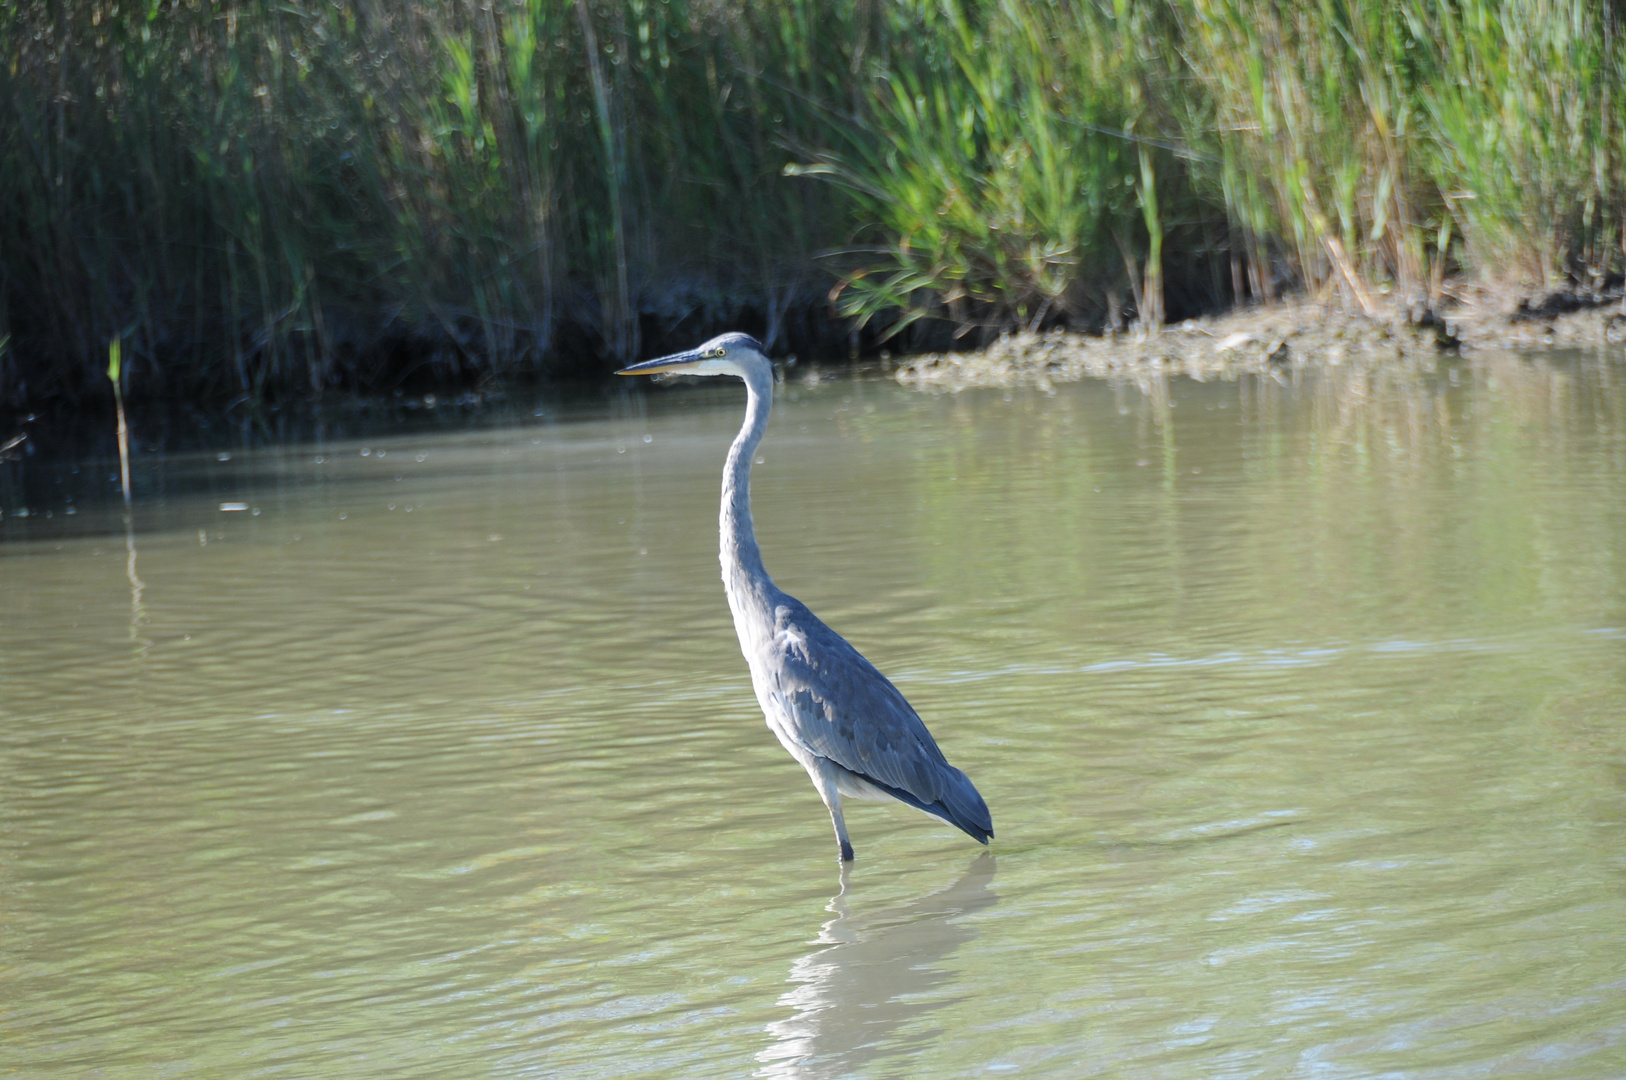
(1288, 334)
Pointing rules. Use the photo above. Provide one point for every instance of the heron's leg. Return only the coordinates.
(825, 780)
(841, 831)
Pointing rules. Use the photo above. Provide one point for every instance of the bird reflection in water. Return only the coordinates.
(874, 971)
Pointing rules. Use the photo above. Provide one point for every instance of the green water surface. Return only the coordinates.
(1300, 706)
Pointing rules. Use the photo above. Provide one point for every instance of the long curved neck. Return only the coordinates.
(743, 573)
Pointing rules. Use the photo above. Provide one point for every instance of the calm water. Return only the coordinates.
(1301, 711)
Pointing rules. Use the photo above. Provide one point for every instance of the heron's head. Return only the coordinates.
(726, 354)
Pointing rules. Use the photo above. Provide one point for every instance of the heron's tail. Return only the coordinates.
(960, 805)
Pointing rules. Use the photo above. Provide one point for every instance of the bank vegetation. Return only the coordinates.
(262, 199)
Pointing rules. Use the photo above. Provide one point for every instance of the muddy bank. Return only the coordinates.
(1291, 333)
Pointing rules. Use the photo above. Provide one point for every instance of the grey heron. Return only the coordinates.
(831, 709)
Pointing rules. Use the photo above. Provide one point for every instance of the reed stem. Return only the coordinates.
(114, 372)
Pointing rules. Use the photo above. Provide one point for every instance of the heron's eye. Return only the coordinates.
(715, 352)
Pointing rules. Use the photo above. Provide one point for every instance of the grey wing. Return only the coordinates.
(843, 709)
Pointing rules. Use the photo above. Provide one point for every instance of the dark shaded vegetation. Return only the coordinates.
(267, 200)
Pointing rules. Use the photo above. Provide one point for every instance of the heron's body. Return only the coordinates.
(829, 707)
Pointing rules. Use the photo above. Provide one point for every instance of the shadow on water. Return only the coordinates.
(873, 972)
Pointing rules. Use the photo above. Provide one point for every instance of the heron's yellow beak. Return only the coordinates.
(676, 362)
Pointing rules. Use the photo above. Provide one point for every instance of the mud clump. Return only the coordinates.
(1265, 341)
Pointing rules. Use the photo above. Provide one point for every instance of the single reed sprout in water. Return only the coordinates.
(115, 367)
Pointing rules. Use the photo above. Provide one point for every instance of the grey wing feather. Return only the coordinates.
(845, 710)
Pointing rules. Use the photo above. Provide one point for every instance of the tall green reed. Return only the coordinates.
(287, 193)
(1524, 99)
(1316, 123)
(1001, 174)
(1380, 143)
(270, 197)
